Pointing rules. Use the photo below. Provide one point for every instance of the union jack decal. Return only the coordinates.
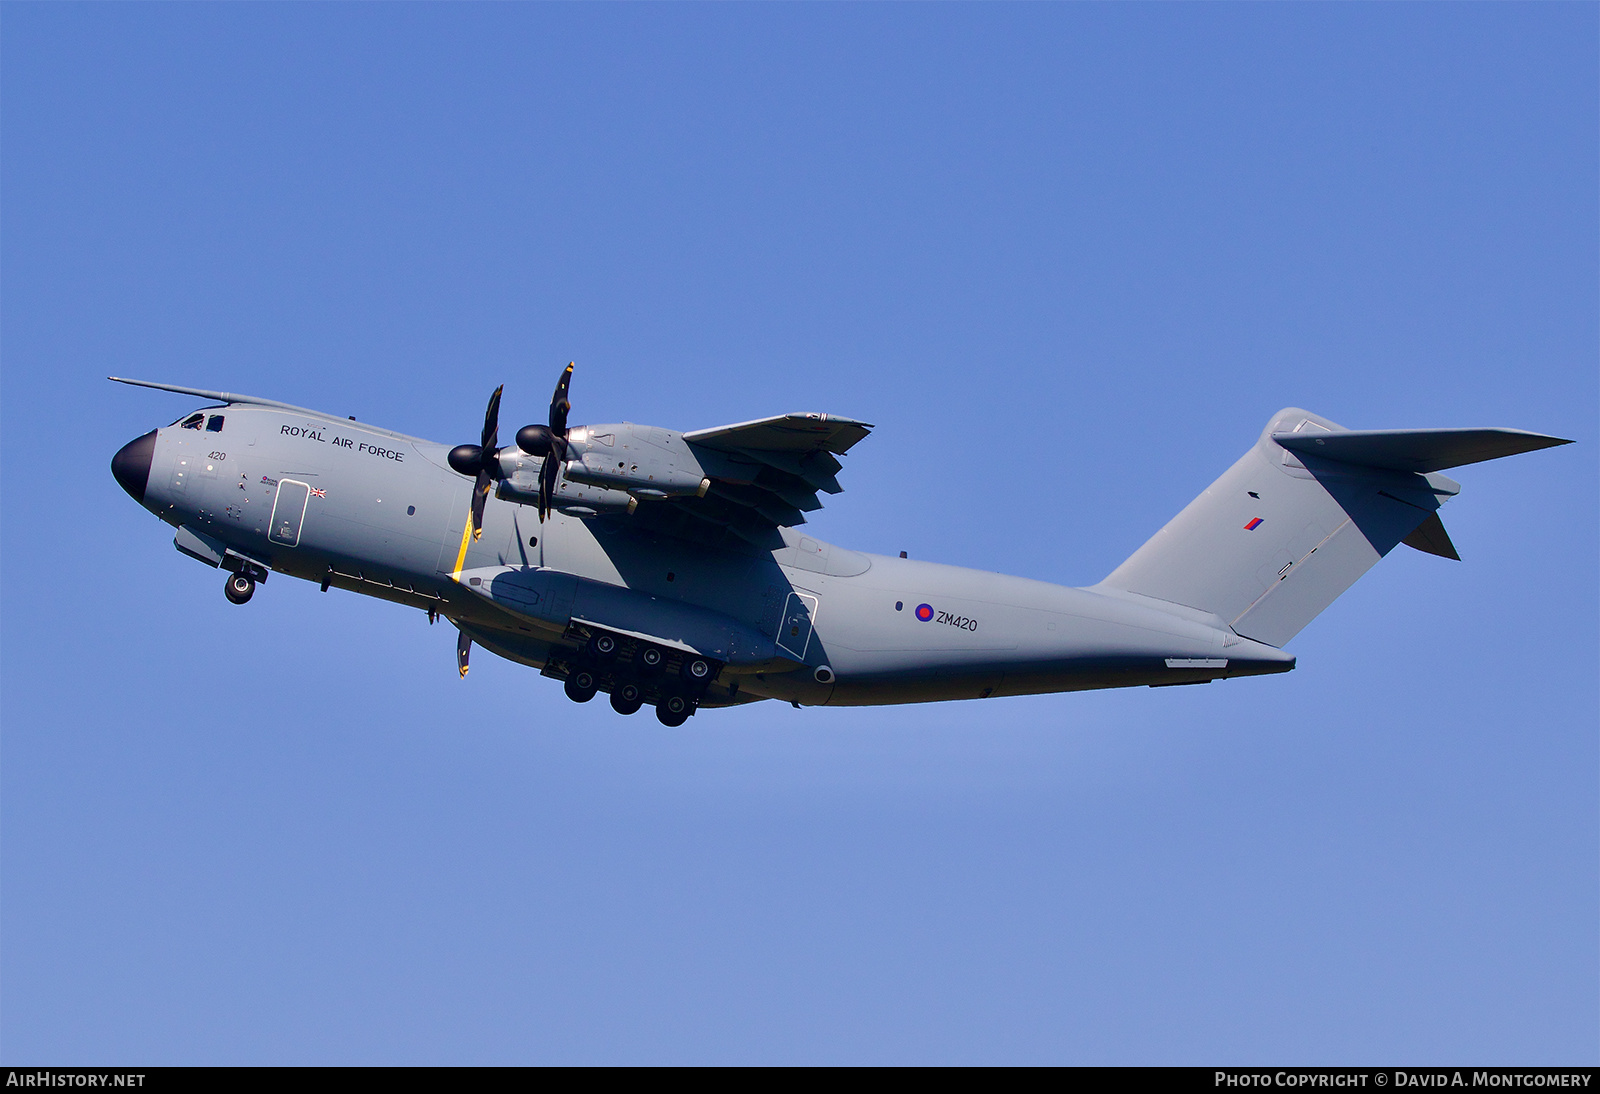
(317, 493)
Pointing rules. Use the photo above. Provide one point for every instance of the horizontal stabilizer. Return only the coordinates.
(1420, 450)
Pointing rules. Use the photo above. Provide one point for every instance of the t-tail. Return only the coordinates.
(1305, 513)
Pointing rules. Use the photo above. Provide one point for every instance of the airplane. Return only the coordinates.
(666, 568)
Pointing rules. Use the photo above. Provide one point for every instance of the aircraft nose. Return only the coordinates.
(131, 465)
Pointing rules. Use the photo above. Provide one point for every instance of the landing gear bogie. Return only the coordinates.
(635, 673)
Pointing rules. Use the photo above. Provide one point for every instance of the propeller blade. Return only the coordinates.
(560, 404)
(548, 474)
(491, 425)
(550, 471)
(463, 650)
(480, 497)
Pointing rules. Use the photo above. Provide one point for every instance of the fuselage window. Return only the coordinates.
(193, 421)
(214, 424)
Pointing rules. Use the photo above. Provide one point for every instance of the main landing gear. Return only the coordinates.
(239, 588)
(636, 673)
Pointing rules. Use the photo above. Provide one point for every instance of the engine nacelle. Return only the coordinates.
(641, 460)
(575, 499)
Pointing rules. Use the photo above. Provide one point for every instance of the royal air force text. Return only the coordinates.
(343, 442)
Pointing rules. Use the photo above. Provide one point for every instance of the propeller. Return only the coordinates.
(480, 460)
(549, 443)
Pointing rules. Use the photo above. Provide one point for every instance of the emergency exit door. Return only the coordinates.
(288, 512)
(794, 630)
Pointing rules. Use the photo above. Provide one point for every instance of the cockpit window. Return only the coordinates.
(192, 421)
(214, 424)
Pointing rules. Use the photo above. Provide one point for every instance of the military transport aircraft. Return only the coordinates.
(665, 568)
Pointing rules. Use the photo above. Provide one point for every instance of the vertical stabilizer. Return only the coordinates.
(1305, 513)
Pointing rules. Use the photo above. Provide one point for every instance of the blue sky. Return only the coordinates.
(1069, 259)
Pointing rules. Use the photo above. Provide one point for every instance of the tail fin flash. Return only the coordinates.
(1305, 513)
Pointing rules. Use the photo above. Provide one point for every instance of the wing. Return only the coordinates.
(764, 474)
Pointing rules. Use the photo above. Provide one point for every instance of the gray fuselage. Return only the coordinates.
(356, 507)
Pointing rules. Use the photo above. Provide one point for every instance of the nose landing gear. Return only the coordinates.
(239, 588)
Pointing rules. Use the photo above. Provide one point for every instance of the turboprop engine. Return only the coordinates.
(585, 471)
(645, 462)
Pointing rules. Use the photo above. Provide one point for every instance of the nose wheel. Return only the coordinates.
(239, 588)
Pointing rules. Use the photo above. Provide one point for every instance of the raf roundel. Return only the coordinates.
(924, 612)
